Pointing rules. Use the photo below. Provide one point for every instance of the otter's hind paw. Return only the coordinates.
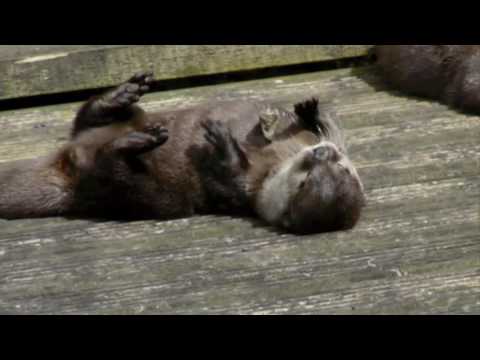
(130, 92)
(136, 143)
(143, 80)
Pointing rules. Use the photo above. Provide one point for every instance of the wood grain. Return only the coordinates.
(76, 68)
(415, 251)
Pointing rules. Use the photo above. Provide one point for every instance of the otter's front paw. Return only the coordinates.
(217, 135)
(227, 154)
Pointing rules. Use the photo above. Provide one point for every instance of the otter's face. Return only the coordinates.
(318, 190)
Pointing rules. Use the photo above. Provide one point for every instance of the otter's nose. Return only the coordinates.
(326, 153)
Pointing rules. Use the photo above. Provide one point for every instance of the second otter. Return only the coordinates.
(449, 73)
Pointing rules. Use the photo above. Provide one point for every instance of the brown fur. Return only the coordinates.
(85, 179)
(449, 73)
(162, 183)
(330, 197)
(119, 163)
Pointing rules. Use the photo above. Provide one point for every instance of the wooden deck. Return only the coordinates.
(415, 251)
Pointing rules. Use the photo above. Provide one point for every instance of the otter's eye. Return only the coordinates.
(302, 184)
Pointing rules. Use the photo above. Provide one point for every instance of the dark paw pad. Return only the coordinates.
(143, 80)
(159, 132)
(140, 142)
(125, 95)
(130, 92)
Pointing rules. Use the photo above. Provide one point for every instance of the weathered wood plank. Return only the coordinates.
(152, 267)
(399, 140)
(416, 250)
(79, 69)
(16, 52)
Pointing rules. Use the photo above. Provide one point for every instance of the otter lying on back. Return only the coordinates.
(234, 157)
(301, 179)
(450, 73)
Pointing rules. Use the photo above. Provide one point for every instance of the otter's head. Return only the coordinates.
(317, 190)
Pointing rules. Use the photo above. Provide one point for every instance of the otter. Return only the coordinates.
(236, 157)
(448, 73)
(301, 179)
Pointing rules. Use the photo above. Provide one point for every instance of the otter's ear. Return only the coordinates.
(269, 120)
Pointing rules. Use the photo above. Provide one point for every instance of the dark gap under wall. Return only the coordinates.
(197, 81)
